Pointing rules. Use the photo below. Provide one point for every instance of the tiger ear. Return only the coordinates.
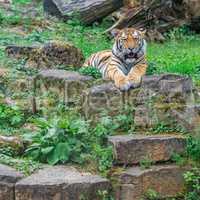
(115, 32)
(143, 31)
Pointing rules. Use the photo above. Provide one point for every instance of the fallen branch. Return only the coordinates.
(154, 16)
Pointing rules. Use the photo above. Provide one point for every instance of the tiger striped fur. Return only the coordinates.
(126, 63)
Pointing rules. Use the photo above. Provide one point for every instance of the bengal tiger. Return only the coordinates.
(126, 63)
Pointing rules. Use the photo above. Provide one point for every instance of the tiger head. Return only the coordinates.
(129, 44)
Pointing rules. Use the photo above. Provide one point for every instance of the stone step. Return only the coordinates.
(166, 180)
(8, 178)
(158, 97)
(64, 86)
(131, 149)
(61, 182)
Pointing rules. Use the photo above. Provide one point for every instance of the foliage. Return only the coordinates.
(146, 163)
(26, 165)
(8, 151)
(193, 148)
(192, 179)
(10, 116)
(163, 127)
(59, 140)
(179, 159)
(104, 195)
(175, 56)
(67, 138)
(21, 1)
(152, 68)
(91, 71)
(180, 33)
(151, 195)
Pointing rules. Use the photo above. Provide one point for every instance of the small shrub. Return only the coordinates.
(193, 148)
(179, 159)
(27, 166)
(151, 195)
(104, 195)
(192, 179)
(67, 138)
(61, 139)
(179, 33)
(146, 163)
(10, 116)
(163, 127)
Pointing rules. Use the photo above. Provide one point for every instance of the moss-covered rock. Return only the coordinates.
(49, 55)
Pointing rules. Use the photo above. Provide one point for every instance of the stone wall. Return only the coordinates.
(161, 98)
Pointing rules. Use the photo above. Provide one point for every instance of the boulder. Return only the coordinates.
(60, 182)
(87, 11)
(48, 55)
(8, 178)
(132, 149)
(166, 180)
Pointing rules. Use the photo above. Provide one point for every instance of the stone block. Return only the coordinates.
(103, 98)
(166, 180)
(60, 85)
(131, 149)
(60, 182)
(8, 178)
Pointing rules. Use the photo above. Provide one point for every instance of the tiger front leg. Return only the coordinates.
(135, 75)
(121, 81)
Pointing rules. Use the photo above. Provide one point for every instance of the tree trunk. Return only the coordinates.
(87, 11)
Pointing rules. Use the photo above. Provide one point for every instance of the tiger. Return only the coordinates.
(126, 63)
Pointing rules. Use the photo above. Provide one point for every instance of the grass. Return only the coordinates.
(176, 56)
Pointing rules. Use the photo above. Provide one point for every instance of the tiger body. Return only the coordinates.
(126, 63)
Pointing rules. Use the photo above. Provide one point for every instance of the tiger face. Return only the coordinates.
(129, 45)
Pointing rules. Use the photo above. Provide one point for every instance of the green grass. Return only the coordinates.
(181, 56)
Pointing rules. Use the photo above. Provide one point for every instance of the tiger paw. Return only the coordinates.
(135, 83)
(123, 85)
